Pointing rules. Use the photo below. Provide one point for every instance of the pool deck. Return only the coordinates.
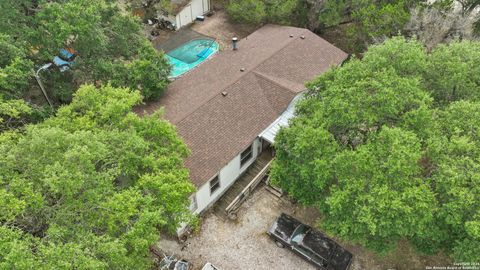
(168, 41)
(222, 29)
(216, 27)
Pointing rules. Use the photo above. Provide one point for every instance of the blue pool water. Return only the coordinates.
(190, 55)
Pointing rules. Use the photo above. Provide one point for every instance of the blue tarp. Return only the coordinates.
(66, 54)
(206, 52)
(64, 60)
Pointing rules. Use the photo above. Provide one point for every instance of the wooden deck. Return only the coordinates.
(242, 182)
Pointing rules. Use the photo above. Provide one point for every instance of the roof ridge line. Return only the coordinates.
(245, 73)
(259, 76)
(267, 77)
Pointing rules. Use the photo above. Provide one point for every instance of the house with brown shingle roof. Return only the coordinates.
(223, 108)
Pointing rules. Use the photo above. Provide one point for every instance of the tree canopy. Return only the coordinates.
(387, 148)
(357, 23)
(91, 187)
(108, 40)
(371, 18)
(289, 12)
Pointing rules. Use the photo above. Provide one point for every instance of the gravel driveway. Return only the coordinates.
(244, 245)
(241, 244)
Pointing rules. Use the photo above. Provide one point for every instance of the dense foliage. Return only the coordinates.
(371, 18)
(289, 12)
(91, 187)
(13, 113)
(363, 22)
(387, 148)
(108, 40)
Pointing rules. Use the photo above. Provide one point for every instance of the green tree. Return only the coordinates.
(148, 73)
(381, 18)
(378, 196)
(15, 17)
(454, 152)
(368, 20)
(385, 150)
(288, 12)
(453, 72)
(247, 11)
(107, 39)
(333, 12)
(15, 69)
(366, 94)
(91, 187)
(13, 113)
(306, 159)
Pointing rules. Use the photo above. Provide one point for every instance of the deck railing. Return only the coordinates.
(233, 207)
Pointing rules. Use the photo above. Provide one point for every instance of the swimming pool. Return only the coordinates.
(190, 55)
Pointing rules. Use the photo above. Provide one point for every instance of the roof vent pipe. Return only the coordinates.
(234, 43)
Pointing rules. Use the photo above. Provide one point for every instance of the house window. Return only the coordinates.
(193, 202)
(246, 155)
(214, 184)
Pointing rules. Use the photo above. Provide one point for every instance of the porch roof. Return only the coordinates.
(271, 131)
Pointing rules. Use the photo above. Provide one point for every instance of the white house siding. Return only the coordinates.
(197, 8)
(185, 15)
(227, 176)
(188, 14)
(177, 21)
(206, 6)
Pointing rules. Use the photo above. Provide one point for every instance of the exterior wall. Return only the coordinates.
(188, 14)
(206, 6)
(185, 16)
(177, 21)
(227, 176)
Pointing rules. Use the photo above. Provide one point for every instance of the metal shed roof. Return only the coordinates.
(282, 121)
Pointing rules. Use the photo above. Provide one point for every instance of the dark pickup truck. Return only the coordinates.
(310, 244)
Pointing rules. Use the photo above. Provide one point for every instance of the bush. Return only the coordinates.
(247, 11)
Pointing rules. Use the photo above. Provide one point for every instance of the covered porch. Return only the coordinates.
(230, 202)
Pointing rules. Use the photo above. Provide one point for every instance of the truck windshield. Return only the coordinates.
(298, 234)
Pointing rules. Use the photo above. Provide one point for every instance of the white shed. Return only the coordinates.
(186, 11)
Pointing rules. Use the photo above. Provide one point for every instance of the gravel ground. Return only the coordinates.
(242, 244)
(219, 27)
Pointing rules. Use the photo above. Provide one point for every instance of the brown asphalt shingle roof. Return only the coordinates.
(217, 128)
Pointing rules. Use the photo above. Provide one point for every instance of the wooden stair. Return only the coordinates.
(240, 184)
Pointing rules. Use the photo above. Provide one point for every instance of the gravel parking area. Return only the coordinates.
(242, 244)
